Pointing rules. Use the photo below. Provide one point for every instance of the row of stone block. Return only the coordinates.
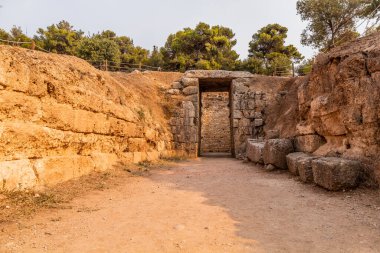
(271, 152)
(332, 173)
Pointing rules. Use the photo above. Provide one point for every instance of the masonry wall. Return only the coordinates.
(60, 118)
(252, 97)
(215, 122)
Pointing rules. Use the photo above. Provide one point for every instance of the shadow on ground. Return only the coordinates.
(280, 212)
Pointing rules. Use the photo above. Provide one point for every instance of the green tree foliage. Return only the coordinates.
(305, 67)
(97, 50)
(4, 35)
(332, 22)
(16, 34)
(204, 47)
(156, 58)
(59, 38)
(268, 53)
(130, 55)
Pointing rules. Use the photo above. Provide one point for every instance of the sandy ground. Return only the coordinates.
(206, 205)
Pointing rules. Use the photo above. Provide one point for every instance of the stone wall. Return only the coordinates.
(252, 96)
(252, 100)
(60, 118)
(216, 122)
(340, 103)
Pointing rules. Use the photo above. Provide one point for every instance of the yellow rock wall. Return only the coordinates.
(60, 118)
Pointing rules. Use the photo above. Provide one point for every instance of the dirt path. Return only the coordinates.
(207, 205)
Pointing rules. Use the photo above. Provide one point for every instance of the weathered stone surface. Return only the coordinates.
(174, 91)
(190, 90)
(336, 173)
(305, 169)
(275, 152)
(308, 143)
(17, 175)
(177, 85)
(189, 82)
(216, 125)
(292, 160)
(259, 122)
(340, 100)
(255, 151)
(53, 170)
(217, 74)
(61, 118)
(272, 134)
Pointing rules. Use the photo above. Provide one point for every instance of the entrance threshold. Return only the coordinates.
(217, 155)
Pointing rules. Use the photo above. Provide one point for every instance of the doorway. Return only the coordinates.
(215, 130)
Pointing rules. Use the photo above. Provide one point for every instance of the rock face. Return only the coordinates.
(60, 118)
(308, 143)
(336, 173)
(255, 151)
(275, 152)
(334, 110)
(340, 102)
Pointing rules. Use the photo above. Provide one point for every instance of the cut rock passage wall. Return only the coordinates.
(60, 118)
(216, 123)
(333, 116)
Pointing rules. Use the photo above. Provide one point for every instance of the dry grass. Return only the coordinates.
(15, 205)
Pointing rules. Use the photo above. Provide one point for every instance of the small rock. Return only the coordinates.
(270, 167)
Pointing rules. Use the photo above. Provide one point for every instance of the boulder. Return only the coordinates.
(336, 174)
(255, 151)
(308, 143)
(275, 152)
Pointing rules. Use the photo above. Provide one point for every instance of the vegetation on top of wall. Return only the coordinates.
(330, 23)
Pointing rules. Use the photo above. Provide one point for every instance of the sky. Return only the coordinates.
(149, 22)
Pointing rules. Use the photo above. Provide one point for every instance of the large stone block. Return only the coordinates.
(308, 143)
(16, 105)
(300, 164)
(177, 85)
(17, 175)
(292, 160)
(255, 151)
(191, 90)
(336, 173)
(137, 145)
(305, 170)
(190, 82)
(276, 150)
(53, 170)
(104, 162)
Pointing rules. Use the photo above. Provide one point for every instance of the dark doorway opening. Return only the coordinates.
(215, 129)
